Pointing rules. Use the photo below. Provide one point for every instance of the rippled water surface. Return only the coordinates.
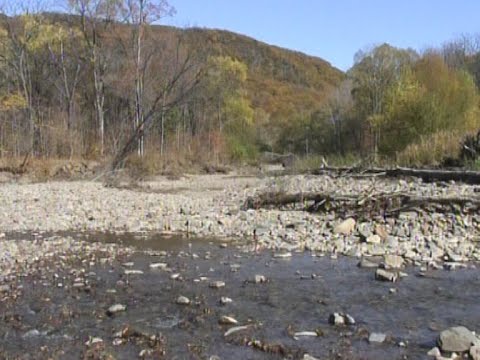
(47, 320)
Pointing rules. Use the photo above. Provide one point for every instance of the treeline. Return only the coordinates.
(398, 106)
(104, 82)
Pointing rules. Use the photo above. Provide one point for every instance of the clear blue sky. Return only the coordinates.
(335, 29)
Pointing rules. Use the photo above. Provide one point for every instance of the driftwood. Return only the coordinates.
(363, 204)
(428, 175)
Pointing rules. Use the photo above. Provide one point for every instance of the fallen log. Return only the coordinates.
(465, 176)
(427, 175)
(381, 203)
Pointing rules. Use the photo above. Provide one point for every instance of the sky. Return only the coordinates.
(335, 29)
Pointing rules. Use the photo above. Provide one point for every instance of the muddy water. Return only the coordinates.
(47, 321)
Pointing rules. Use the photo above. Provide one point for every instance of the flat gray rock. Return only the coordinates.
(458, 339)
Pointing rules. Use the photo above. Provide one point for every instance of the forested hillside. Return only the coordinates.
(78, 86)
(103, 82)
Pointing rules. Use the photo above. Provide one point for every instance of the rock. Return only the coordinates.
(225, 300)
(4, 288)
(235, 329)
(116, 309)
(304, 333)
(182, 300)
(349, 320)
(384, 275)
(377, 338)
(161, 266)
(457, 338)
(217, 284)
(228, 320)
(31, 333)
(341, 319)
(308, 357)
(133, 272)
(435, 352)
(336, 319)
(93, 340)
(285, 255)
(258, 279)
(475, 352)
(393, 262)
(374, 239)
(365, 263)
(345, 227)
(381, 231)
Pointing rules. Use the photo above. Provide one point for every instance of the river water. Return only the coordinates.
(48, 321)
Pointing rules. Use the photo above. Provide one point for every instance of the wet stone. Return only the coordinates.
(116, 309)
(217, 284)
(182, 300)
(384, 275)
(376, 338)
(457, 338)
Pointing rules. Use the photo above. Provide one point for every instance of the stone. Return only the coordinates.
(225, 300)
(304, 334)
(182, 300)
(374, 239)
(336, 319)
(345, 227)
(161, 266)
(258, 279)
(93, 340)
(435, 352)
(384, 275)
(457, 338)
(393, 262)
(365, 263)
(381, 231)
(133, 272)
(284, 255)
(4, 288)
(227, 320)
(308, 357)
(217, 284)
(475, 352)
(377, 338)
(31, 333)
(116, 309)
(236, 329)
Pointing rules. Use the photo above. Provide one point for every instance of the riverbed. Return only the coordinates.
(63, 311)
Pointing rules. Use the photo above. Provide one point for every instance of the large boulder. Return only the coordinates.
(457, 338)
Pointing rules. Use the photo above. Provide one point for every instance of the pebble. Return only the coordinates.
(217, 284)
(182, 300)
(235, 329)
(384, 275)
(116, 309)
(225, 300)
(304, 333)
(161, 266)
(227, 320)
(93, 340)
(377, 338)
(258, 279)
(133, 272)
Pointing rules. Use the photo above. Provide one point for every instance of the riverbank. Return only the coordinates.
(212, 206)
